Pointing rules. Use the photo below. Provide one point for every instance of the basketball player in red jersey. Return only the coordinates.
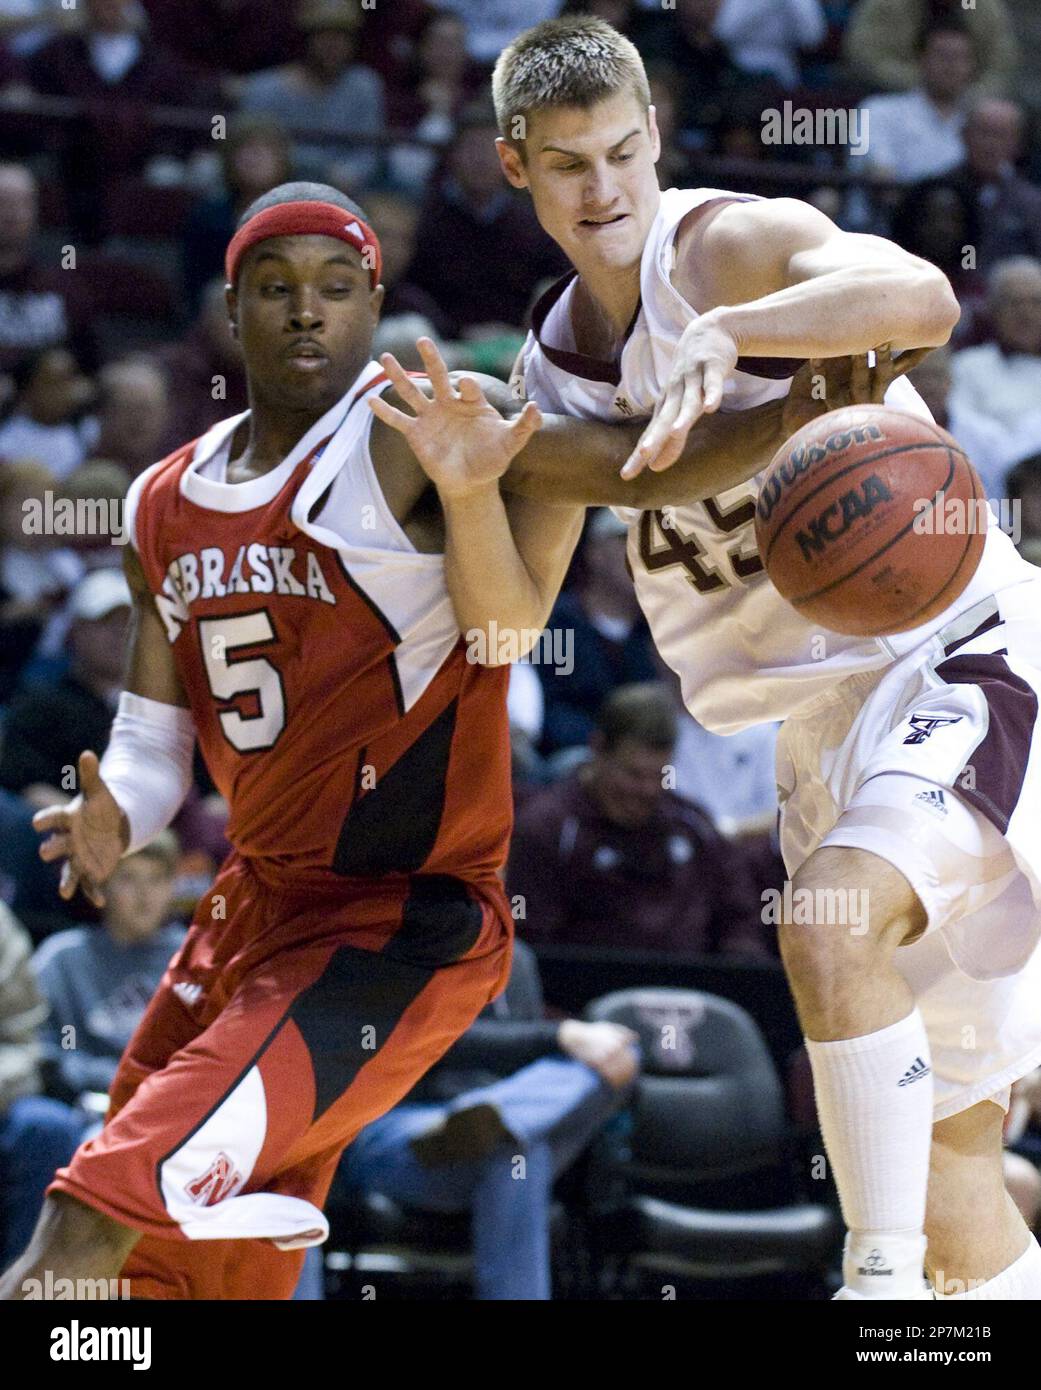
(294, 612)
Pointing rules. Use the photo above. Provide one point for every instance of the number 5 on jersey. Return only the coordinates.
(232, 677)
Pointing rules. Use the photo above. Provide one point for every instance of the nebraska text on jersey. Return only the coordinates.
(254, 569)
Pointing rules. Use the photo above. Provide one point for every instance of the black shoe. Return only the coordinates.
(463, 1136)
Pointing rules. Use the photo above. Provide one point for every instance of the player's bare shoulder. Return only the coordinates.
(734, 251)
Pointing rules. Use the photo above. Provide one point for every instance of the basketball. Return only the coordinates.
(871, 521)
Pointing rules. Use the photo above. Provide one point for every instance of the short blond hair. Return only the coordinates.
(573, 61)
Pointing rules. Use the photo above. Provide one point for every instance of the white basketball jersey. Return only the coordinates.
(743, 655)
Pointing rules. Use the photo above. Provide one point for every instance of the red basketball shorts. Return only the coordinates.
(288, 1020)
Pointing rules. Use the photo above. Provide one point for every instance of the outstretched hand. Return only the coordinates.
(826, 384)
(460, 439)
(89, 834)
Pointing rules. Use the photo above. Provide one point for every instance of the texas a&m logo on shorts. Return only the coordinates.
(922, 725)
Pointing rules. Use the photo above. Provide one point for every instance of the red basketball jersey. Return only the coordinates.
(335, 706)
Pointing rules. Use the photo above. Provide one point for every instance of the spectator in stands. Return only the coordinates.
(620, 14)
(731, 777)
(41, 305)
(37, 1134)
(25, 25)
(133, 415)
(940, 221)
(666, 86)
(1023, 486)
(230, 35)
(514, 1087)
(434, 88)
(1002, 379)
(256, 156)
(1009, 206)
(48, 727)
(987, 443)
(882, 41)
(37, 570)
(492, 24)
(97, 491)
(687, 39)
(917, 134)
(204, 377)
(610, 856)
(600, 619)
(115, 67)
(764, 37)
(99, 979)
(326, 91)
(526, 706)
(498, 250)
(395, 219)
(45, 423)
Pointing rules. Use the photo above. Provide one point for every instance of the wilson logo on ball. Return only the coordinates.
(850, 507)
(800, 460)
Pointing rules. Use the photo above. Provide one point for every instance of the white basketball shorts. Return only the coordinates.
(934, 764)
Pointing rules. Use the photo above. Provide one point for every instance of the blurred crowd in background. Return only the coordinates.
(133, 133)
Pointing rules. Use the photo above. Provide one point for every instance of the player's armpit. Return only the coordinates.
(578, 461)
(151, 671)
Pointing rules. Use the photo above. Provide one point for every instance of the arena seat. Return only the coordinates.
(423, 1253)
(704, 1186)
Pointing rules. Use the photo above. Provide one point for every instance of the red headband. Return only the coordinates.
(305, 219)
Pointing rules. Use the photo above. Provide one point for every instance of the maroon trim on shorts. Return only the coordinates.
(999, 763)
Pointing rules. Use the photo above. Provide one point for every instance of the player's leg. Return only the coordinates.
(870, 1057)
(979, 1245)
(72, 1241)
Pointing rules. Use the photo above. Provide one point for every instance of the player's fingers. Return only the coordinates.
(436, 369)
(69, 881)
(89, 773)
(859, 379)
(713, 381)
(469, 391)
(390, 415)
(51, 818)
(690, 408)
(403, 383)
(907, 361)
(655, 434)
(91, 890)
(524, 425)
(55, 847)
(882, 373)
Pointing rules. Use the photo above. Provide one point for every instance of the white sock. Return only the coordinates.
(1022, 1279)
(875, 1106)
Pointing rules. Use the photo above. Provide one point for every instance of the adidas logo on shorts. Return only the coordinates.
(933, 801)
(915, 1072)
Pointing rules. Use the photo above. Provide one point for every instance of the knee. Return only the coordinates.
(847, 910)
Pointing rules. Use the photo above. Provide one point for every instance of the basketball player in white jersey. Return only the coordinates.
(907, 773)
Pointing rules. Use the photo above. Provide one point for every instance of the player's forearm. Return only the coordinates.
(579, 461)
(492, 590)
(846, 312)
